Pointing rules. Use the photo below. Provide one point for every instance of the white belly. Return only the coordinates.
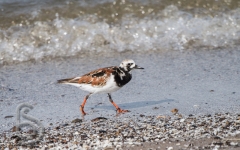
(109, 87)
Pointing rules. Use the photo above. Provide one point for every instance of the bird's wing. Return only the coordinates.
(97, 77)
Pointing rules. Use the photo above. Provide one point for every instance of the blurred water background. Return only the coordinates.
(46, 29)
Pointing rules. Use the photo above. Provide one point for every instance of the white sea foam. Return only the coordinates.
(171, 29)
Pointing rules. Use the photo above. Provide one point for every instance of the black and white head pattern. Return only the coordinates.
(127, 65)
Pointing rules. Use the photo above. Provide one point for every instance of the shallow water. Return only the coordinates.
(34, 30)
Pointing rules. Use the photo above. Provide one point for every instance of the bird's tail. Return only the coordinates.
(64, 80)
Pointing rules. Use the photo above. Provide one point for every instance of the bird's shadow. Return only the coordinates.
(137, 104)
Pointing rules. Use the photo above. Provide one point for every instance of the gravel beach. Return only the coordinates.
(218, 131)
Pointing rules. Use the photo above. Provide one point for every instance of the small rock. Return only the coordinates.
(161, 117)
(64, 125)
(14, 129)
(209, 115)
(221, 119)
(216, 137)
(77, 121)
(218, 143)
(180, 116)
(191, 145)
(226, 124)
(98, 118)
(170, 148)
(10, 116)
(102, 131)
(233, 143)
(174, 111)
(182, 120)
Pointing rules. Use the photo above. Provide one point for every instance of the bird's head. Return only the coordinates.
(128, 65)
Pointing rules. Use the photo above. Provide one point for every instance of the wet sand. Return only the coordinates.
(194, 82)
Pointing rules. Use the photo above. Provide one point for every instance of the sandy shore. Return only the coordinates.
(194, 82)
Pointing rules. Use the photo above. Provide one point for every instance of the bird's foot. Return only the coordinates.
(119, 110)
(82, 110)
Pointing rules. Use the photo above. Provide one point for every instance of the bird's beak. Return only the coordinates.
(137, 67)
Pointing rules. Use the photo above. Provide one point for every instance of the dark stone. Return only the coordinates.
(77, 120)
(65, 124)
(218, 143)
(217, 137)
(102, 131)
(84, 136)
(98, 118)
(221, 119)
(14, 129)
(10, 116)
(10, 89)
(209, 115)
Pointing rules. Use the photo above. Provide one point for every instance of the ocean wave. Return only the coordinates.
(169, 29)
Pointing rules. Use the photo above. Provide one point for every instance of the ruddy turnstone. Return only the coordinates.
(104, 80)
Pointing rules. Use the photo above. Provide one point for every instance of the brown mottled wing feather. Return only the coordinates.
(95, 78)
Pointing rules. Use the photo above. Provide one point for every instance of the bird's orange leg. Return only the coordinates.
(119, 110)
(83, 104)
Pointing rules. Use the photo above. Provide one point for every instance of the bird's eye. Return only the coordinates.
(129, 64)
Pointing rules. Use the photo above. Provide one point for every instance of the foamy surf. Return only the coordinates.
(167, 29)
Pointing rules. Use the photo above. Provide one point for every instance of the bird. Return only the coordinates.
(103, 80)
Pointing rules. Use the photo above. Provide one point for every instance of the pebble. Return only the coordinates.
(233, 143)
(182, 120)
(77, 121)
